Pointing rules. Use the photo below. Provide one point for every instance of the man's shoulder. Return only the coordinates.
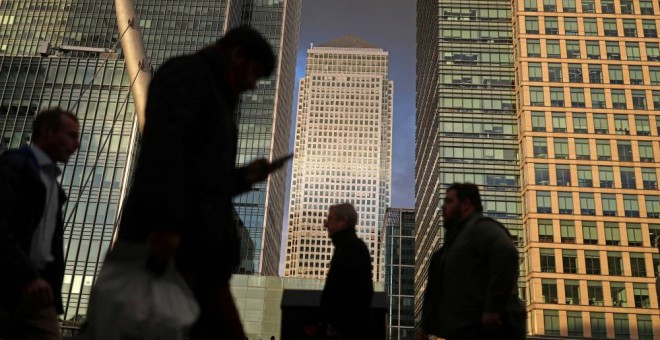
(488, 226)
(14, 159)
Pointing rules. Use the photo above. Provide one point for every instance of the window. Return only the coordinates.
(652, 206)
(545, 231)
(570, 26)
(579, 122)
(575, 324)
(554, 72)
(549, 290)
(538, 121)
(543, 202)
(534, 71)
(577, 96)
(551, 25)
(606, 176)
(616, 74)
(621, 326)
(551, 322)
(612, 50)
(652, 51)
(618, 293)
(646, 7)
(609, 204)
(595, 293)
(642, 125)
(556, 97)
(582, 148)
(561, 148)
(641, 295)
(598, 327)
(627, 7)
(552, 47)
(540, 147)
(584, 176)
(530, 6)
(625, 150)
(630, 206)
(628, 178)
(636, 76)
(638, 264)
(549, 6)
(610, 28)
(612, 236)
(532, 25)
(569, 261)
(649, 179)
(634, 231)
(572, 291)
(600, 123)
(654, 234)
(656, 105)
(542, 174)
(558, 122)
(632, 51)
(649, 29)
(567, 228)
(593, 48)
(595, 74)
(644, 324)
(598, 99)
(536, 96)
(654, 73)
(569, 6)
(533, 48)
(587, 205)
(629, 28)
(639, 99)
(548, 260)
(621, 126)
(589, 231)
(573, 49)
(588, 6)
(603, 149)
(566, 208)
(592, 263)
(607, 6)
(563, 173)
(645, 151)
(615, 263)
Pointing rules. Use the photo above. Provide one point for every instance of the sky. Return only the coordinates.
(390, 25)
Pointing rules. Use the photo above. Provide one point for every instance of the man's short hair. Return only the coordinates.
(468, 191)
(51, 119)
(255, 46)
(347, 211)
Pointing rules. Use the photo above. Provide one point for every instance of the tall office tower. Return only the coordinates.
(82, 68)
(342, 151)
(264, 128)
(587, 76)
(398, 237)
(466, 117)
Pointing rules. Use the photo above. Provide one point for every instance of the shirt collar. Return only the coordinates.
(40, 155)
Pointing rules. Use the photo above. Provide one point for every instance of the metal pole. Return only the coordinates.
(135, 57)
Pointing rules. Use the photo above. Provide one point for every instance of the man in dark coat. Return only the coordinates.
(180, 201)
(32, 228)
(346, 297)
(471, 292)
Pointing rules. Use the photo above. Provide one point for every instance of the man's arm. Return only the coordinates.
(256, 172)
(503, 266)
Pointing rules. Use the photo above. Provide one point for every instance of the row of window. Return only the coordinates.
(592, 260)
(590, 25)
(599, 98)
(580, 148)
(587, 204)
(594, 73)
(644, 7)
(592, 49)
(598, 325)
(633, 231)
(565, 175)
(598, 123)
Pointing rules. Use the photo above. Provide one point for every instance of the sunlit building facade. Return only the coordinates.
(342, 151)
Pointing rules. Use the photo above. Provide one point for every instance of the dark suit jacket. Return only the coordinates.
(185, 175)
(22, 199)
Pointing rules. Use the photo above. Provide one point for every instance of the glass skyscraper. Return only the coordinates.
(398, 238)
(586, 106)
(66, 53)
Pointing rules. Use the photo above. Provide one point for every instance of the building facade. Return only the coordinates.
(342, 151)
(466, 118)
(398, 237)
(586, 111)
(82, 69)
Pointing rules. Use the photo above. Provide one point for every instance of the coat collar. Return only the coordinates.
(341, 237)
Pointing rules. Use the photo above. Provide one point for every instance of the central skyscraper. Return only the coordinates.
(343, 151)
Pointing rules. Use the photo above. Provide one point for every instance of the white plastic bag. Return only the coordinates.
(129, 302)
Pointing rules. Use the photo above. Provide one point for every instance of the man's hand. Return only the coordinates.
(423, 335)
(162, 246)
(259, 169)
(37, 293)
(491, 321)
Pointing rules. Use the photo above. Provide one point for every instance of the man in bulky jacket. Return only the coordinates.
(32, 228)
(348, 291)
(180, 200)
(471, 292)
